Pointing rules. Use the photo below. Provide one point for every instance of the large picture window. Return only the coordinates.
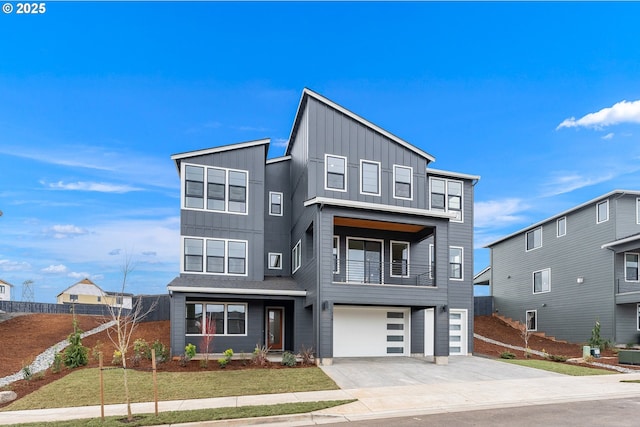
(223, 256)
(336, 172)
(215, 318)
(542, 281)
(225, 189)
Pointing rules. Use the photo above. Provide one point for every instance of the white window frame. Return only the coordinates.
(638, 210)
(598, 219)
(272, 267)
(432, 260)
(296, 257)
(461, 263)
(336, 245)
(408, 245)
(526, 239)
(535, 319)
(558, 222)
(379, 177)
(225, 317)
(204, 240)
(638, 317)
(533, 281)
(637, 266)
(271, 194)
(446, 196)
(396, 167)
(227, 171)
(326, 173)
(382, 272)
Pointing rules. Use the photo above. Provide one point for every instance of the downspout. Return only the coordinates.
(318, 305)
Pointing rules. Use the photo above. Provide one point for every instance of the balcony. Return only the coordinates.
(383, 273)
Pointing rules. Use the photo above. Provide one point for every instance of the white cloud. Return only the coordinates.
(610, 135)
(78, 275)
(6, 265)
(100, 187)
(280, 142)
(55, 269)
(622, 112)
(64, 231)
(498, 212)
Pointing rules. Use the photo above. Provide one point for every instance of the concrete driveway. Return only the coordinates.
(350, 373)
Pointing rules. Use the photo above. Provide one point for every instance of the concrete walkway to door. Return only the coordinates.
(367, 372)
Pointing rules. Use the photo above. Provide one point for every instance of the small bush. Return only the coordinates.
(96, 350)
(507, 355)
(162, 352)
(306, 354)
(289, 359)
(557, 358)
(141, 347)
(226, 358)
(27, 373)
(190, 351)
(260, 355)
(75, 354)
(204, 363)
(56, 366)
(116, 360)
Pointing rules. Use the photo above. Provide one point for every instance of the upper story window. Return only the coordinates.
(275, 261)
(73, 297)
(275, 203)
(402, 182)
(370, 177)
(223, 256)
(226, 189)
(400, 259)
(602, 212)
(455, 263)
(446, 195)
(1, 289)
(335, 172)
(631, 267)
(638, 210)
(541, 281)
(561, 226)
(533, 239)
(296, 257)
(336, 254)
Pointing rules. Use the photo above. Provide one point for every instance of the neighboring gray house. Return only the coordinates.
(5, 291)
(562, 274)
(348, 244)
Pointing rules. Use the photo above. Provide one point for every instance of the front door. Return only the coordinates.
(275, 329)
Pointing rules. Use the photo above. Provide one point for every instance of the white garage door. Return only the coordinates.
(370, 332)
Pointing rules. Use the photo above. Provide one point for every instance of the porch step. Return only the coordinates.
(519, 326)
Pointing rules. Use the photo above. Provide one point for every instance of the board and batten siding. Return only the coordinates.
(277, 229)
(624, 209)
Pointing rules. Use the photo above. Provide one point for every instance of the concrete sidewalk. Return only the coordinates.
(382, 402)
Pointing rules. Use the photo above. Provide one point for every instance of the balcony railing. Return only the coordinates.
(388, 273)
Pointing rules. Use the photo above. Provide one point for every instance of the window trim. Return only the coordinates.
(563, 219)
(395, 167)
(408, 271)
(326, 172)
(296, 256)
(204, 255)
(272, 267)
(637, 266)
(533, 281)
(382, 258)
(379, 177)
(598, 219)
(461, 278)
(206, 183)
(535, 319)
(446, 196)
(526, 239)
(337, 247)
(271, 194)
(225, 318)
(638, 317)
(638, 210)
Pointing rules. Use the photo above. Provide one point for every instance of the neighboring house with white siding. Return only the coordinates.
(349, 244)
(5, 290)
(87, 292)
(562, 274)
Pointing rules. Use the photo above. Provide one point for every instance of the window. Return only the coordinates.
(369, 177)
(402, 182)
(336, 254)
(432, 262)
(296, 257)
(99, 299)
(73, 297)
(226, 189)
(541, 281)
(216, 318)
(336, 172)
(638, 210)
(118, 300)
(532, 323)
(364, 261)
(561, 226)
(275, 203)
(400, 259)
(275, 261)
(638, 317)
(223, 256)
(194, 187)
(534, 239)
(455, 263)
(446, 195)
(602, 212)
(2, 290)
(631, 267)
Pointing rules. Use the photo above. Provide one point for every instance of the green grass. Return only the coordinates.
(82, 387)
(177, 417)
(560, 368)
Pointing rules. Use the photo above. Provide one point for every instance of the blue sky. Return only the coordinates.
(542, 100)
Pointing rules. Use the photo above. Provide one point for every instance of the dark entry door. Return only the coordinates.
(275, 328)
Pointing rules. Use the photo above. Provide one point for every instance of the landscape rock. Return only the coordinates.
(7, 396)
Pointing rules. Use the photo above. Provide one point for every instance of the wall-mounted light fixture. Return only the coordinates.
(444, 308)
(580, 280)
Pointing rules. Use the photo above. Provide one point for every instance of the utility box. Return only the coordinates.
(586, 351)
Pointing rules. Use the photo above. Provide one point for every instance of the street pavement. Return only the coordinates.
(392, 388)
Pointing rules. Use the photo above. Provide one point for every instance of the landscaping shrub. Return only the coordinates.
(557, 358)
(162, 352)
(507, 355)
(306, 354)
(75, 354)
(260, 355)
(189, 351)
(224, 361)
(56, 366)
(289, 359)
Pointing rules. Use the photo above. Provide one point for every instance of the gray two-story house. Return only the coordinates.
(560, 275)
(349, 244)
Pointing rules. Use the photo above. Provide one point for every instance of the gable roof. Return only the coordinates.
(2, 282)
(308, 93)
(187, 154)
(84, 281)
(564, 213)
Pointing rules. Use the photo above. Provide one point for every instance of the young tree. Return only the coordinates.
(207, 339)
(125, 323)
